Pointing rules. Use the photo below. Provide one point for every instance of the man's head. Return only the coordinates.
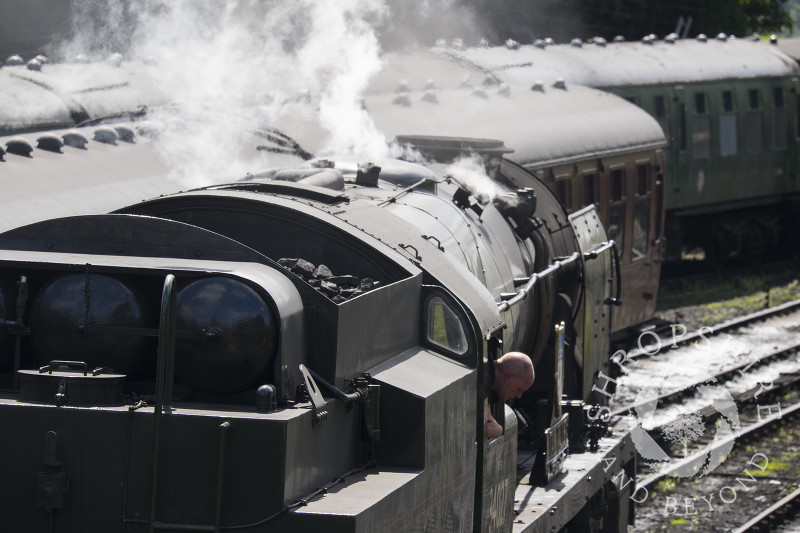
(513, 375)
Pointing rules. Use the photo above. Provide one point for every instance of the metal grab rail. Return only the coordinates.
(594, 254)
(511, 299)
(164, 379)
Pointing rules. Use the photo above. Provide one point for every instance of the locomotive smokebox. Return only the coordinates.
(97, 317)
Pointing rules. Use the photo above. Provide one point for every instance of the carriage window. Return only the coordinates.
(700, 103)
(797, 116)
(641, 212)
(728, 126)
(682, 126)
(701, 123)
(660, 108)
(616, 227)
(642, 180)
(641, 225)
(727, 101)
(616, 210)
(443, 327)
(780, 120)
(589, 190)
(753, 99)
(777, 96)
(754, 126)
(617, 185)
(564, 193)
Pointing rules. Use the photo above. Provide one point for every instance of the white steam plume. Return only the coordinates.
(470, 172)
(229, 63)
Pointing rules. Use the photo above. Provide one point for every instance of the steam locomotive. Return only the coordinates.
(309, 348)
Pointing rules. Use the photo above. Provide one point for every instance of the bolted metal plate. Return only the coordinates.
(590, 233)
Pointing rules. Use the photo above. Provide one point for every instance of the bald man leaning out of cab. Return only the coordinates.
(513, 374)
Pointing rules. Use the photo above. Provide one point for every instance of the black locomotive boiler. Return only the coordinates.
(307, 350)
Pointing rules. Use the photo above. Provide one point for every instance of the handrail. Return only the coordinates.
(512, 299)
(164, 379)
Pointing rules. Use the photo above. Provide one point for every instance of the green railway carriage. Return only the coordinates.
(729, 109)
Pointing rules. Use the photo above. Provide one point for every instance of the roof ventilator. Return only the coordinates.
(19, 146)
(430, 97)
(560, 83)
(491, 80)
(75, 139)
(50, 142)
(106, 135)
(125, 133)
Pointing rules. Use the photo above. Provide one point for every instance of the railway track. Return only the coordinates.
(736, 353)
(704, 398)
(774, 516)
(750, 491)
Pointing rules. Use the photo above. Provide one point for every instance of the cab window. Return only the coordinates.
(444, 327)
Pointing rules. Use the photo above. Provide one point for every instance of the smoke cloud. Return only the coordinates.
(235, 66)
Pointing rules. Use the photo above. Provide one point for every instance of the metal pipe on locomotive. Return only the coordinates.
(303, 349)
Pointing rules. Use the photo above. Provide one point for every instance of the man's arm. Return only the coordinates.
(493, 429)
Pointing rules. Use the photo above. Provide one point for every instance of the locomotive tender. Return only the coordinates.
(307, 349)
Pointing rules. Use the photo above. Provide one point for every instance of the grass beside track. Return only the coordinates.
(710, 299)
